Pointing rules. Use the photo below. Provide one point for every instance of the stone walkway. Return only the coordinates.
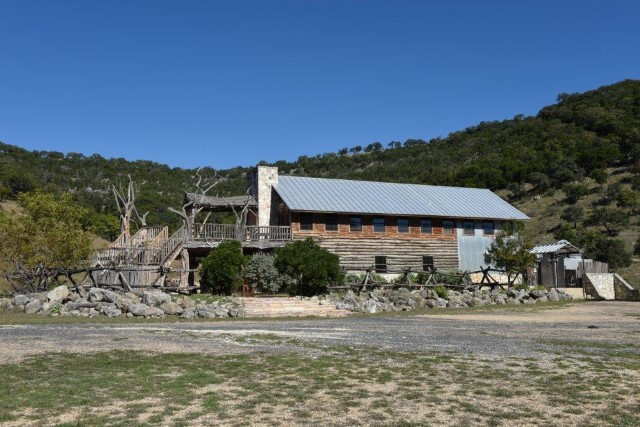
(289, 307)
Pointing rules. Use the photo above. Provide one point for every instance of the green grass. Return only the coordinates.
(320, 388)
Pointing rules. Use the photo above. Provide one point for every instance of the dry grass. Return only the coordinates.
(581, 385)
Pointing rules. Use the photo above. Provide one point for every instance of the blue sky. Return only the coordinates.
(227, 83)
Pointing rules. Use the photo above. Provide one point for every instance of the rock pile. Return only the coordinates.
(102, 302)
(381, 299)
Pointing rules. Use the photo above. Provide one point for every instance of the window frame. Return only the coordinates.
(384, 224)
(465, 229)
(422, 227)
(425, 258)
(331, 221)
(493, 228)
(444, 228)
(377, 264)
(398, 225)
(351, 228)
(303, 224)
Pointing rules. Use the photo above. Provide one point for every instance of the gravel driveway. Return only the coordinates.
(492, 334)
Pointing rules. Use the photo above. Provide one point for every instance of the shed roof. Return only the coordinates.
(560, 247)
(347, 196)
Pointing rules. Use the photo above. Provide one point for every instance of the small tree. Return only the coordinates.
(573, 214)
(575, 191)
(613, 220)
(262, 274)
(221, 271)
(46, 238)
(510, 252)
(310, 266)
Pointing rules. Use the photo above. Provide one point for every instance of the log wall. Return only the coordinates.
(358, 254)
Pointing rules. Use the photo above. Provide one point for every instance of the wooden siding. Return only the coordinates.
(391, 228)
(358, 254)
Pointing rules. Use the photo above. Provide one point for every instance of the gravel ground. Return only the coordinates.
(486, 334)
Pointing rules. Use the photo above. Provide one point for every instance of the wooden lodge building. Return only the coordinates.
(386, 225)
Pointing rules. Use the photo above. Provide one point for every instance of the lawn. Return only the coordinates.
(577, 384)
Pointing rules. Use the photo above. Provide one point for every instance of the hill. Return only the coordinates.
(582, 151)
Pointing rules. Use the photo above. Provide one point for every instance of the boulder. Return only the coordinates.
(98, 295)
(139, 309)
(513, 301)
(32, 307)
(130, 296)
(21, 300)
(40, 296)
(155, 298)
(499, 299)
(171, 308)
(188, 314)
(553, 295)
(58, 293)
(369, 306)
(477, 302)
(111, 311)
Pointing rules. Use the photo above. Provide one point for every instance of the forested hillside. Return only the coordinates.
(574, 146)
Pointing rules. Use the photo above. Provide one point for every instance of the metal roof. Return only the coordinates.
(346, 196)
(562, 246)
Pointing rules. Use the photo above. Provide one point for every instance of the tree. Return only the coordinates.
(126, 203)
(611, 251)
(574, 191)
(629, 199)
(374, 146)
(311, 267)
(46, 238)
(510, 252)
(613, 220)
(221, 270)
(191, 208)
(573, 214)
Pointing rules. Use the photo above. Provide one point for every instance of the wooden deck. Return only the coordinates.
(154, 246)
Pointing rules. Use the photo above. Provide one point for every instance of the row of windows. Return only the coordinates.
(380, 263)
(379, 225)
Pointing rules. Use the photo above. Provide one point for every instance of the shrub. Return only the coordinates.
(310, 267)
(262, 274)
(221, 269)
(441, 291)
(359, 278)
(611, 251)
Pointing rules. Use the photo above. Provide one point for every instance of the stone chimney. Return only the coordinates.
(260, 181)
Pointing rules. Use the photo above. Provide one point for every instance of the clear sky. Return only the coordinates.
(227, 83)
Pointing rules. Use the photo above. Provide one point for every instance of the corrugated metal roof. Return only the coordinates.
(346, 196)
(561, 245)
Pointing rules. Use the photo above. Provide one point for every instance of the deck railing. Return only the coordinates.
(248, 233)
(154, 247)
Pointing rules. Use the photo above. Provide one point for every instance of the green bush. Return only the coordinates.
(310, 267)
(359, 278)
(221, 271)
(441, 291)
(262, 274)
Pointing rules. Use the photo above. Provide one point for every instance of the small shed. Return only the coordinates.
(559, 264)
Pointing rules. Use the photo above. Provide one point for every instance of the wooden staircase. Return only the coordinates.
(289, 307)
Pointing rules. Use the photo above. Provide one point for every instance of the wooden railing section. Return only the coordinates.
(153, 246)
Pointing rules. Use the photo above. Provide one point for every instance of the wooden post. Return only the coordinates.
(184, 265)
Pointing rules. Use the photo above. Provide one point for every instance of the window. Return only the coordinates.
(380, 264)
(355, 223)
(403, 225)
(447, 227)
(488, 228)
(427, 263)
(426, 226)
(306, 221)
(468, 228)
(378, 225)
(331, 222)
